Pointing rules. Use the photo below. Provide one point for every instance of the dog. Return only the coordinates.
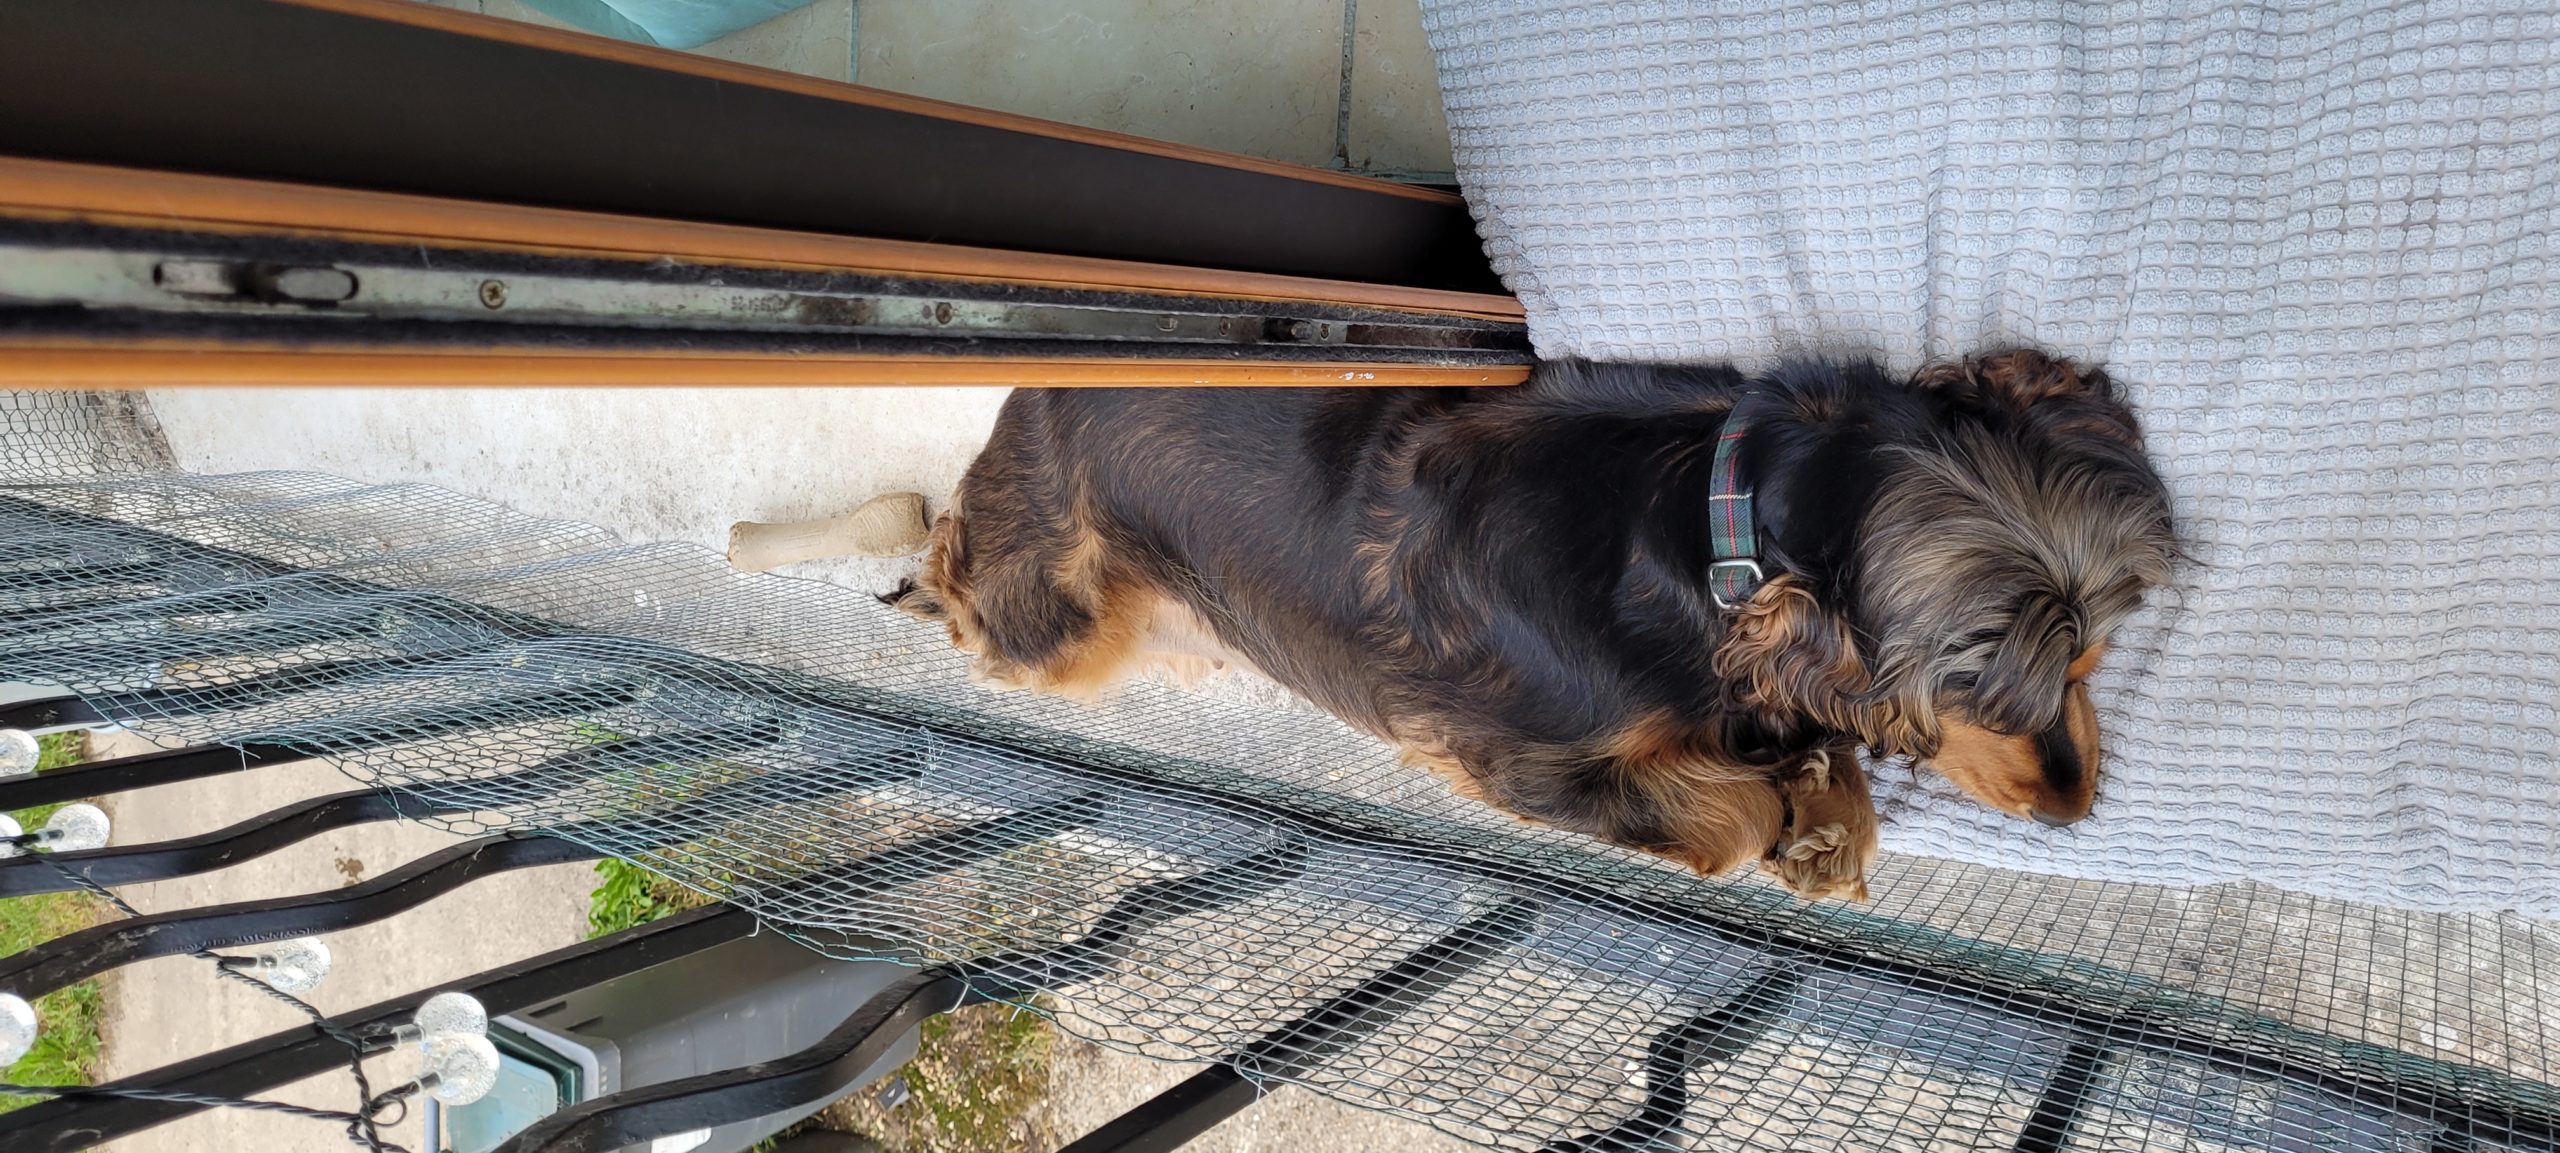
(1530, 591)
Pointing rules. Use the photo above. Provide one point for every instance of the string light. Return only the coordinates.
(440, 1015)
(19, 752)
(294, 966)
(72, 828)
(460, 1068)
(17, 1028)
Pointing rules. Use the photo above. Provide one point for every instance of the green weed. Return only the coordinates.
(67, 1048)
(631, 895)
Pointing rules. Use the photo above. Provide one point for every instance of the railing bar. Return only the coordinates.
(1189, 1109)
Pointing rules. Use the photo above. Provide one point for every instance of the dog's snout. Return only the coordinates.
(2067, 754)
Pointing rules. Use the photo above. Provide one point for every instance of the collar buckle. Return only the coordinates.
(1731, 582)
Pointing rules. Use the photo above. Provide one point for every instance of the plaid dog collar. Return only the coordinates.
(1735, 575)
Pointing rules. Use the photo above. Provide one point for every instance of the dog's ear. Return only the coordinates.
(2067, 396)
(2018, 378)
(1793, 656)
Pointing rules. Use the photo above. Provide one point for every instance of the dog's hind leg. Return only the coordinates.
(1030, 587)
(1714, 826)
(1659, 793)
(940, 593)
(915, 600)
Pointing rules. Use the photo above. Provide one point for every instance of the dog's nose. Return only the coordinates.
(2051, 821)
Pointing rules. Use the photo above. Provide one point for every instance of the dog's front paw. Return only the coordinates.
(1828, 860)
(1831, 841)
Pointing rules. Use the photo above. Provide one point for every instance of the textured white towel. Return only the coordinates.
(2314, 241)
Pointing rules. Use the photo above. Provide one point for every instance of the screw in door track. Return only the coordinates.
(493, 293)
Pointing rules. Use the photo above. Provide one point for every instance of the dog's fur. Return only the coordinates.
(1510, 584)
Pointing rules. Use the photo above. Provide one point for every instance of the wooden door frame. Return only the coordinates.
(76, 196)
(401, 125)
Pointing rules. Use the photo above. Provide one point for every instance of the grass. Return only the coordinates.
(67, 1046)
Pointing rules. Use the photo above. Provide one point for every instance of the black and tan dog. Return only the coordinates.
(1516, 586)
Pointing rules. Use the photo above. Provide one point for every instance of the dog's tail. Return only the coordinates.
(915, 600)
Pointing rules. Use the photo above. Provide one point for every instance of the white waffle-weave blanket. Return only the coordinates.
(2313, 240)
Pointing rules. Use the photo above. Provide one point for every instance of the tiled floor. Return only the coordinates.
(1334, 83)
(1396, 123)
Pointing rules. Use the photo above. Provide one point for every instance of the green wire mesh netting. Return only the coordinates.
(768, 740)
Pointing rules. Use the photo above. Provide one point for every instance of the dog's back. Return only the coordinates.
(1347, 542)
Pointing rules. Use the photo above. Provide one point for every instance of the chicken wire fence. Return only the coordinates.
(1222, 868)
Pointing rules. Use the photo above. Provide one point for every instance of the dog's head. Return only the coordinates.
(1958, 552)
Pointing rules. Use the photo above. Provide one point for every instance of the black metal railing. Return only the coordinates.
(1510, 913)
